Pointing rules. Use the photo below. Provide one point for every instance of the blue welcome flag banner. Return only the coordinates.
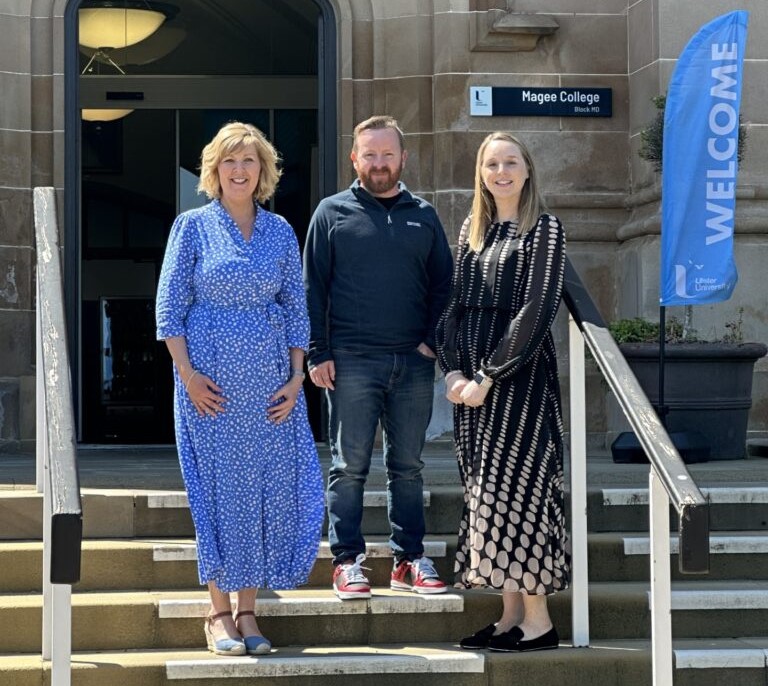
(699, 165)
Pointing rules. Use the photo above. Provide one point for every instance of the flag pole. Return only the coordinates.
(662, 411)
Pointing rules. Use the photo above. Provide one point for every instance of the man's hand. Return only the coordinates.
(323, 375)
(425, 350)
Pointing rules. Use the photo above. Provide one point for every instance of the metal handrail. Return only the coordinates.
(669, 480)
(57, 476)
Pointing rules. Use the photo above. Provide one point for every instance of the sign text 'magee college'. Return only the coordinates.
(540, 102)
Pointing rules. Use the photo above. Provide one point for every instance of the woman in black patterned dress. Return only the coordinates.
(496, 349)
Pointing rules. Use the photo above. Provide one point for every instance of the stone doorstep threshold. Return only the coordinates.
(711, 599)
(718, 545)
(178, 499)
(320, 662)
(180, 552)
(733, 495)
(722, 658)
(382, 602)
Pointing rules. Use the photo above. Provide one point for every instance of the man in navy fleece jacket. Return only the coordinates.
(377, 268)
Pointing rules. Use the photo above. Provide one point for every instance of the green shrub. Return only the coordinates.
(652, 136)
(639, 330)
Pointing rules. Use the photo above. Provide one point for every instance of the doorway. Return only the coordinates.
(138, 171)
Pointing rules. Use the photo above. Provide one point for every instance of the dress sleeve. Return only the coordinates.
(291, 296)
(447, 326)
(175, 290)
(543, 289)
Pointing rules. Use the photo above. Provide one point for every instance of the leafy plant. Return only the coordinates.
(640, 330)
(734, 332)
(652, 136)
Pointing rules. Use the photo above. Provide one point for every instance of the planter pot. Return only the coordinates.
(707, 389)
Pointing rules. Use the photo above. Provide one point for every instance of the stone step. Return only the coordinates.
(152, 564)
(736, 507)
(605, 663)
(737, 555)
(172, 620)
(124, 513)
(178, 499)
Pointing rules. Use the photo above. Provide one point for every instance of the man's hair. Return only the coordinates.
(379, 121)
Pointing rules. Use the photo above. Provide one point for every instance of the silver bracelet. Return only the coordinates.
(297, 372)
(189, 378)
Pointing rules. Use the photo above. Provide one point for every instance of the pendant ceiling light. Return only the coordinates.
(103, 115)
(108, 25)
(118, 23)
(105, 25)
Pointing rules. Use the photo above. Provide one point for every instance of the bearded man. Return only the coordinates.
(377, 270)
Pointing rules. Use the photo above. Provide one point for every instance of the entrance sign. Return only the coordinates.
(700, 163)
(540, 102)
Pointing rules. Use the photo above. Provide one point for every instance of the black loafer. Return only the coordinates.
(479, 639)
(511, 641)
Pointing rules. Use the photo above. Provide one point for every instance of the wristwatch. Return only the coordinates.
(297, 372)
(482, 380)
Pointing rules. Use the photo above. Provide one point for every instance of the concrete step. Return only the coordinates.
(123, 513)
(735, 507)
(154, 564)
(737, 555)
(173, 619)
(604, 663)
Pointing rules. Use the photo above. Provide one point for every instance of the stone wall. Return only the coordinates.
(31, 154)
(416, 60)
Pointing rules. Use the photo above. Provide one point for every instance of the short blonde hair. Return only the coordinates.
(233, 137)
(483, 204)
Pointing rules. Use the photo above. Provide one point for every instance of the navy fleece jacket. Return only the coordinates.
(377, 280)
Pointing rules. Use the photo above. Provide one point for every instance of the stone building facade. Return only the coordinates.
(344, 60)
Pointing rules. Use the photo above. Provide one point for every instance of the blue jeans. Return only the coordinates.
(396, 389)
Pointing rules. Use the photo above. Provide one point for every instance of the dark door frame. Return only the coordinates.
(327, 153)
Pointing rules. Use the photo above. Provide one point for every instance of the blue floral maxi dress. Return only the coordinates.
(255, 488)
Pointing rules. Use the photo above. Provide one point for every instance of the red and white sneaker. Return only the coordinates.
(349, 582)
(421, 574)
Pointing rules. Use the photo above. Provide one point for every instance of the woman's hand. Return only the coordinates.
(473, 394)
(454, 385)
(205, 395)
(286, 396)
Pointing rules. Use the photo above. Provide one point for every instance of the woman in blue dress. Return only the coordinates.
(231, 309)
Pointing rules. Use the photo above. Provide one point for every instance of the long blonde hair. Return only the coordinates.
(233, 137)
(483, 204)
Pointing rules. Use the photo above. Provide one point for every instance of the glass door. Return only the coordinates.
(138, 173)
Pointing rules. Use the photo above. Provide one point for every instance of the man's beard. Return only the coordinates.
(380, 185)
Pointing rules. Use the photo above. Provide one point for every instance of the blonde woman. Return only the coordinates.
(232, 311)
(495, 347)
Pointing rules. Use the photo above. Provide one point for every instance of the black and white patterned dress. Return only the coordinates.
(510, 449)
